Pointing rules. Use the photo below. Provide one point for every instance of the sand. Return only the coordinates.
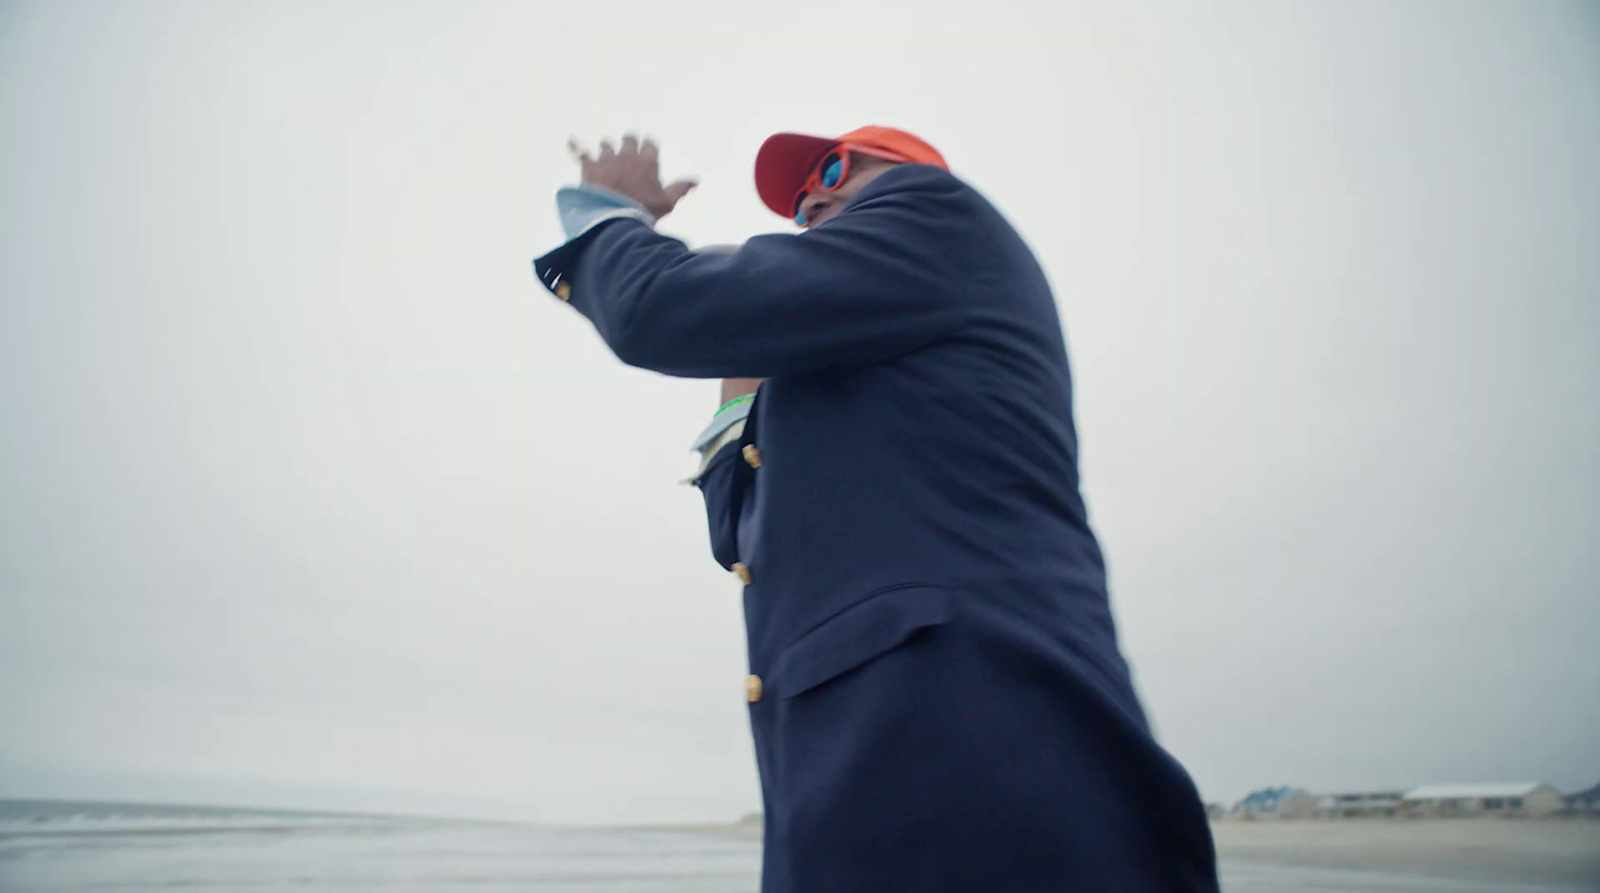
(1551, 851)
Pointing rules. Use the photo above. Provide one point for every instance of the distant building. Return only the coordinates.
(1360, 804)
(1276, 803)
(1526, 799)
(1583, 803)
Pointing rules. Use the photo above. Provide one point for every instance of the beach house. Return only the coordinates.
(1276, 803)
(1359, 804)
(1583, 803)
(1528, 799)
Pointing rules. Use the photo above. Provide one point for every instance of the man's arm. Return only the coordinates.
(734, 388)
(723, 475)
(878, 281)
(722, 484)
(581, 209)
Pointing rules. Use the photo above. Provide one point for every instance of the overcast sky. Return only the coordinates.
(309, 496)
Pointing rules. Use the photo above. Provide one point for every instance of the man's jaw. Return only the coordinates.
(823, 214)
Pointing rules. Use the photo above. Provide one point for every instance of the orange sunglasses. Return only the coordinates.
(831, 172)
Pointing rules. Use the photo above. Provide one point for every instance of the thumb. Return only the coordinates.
(678, 190)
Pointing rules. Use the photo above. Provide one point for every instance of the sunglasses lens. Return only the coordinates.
(825, 177)
(832, 171)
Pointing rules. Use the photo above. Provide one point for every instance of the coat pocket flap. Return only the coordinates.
(858, 634)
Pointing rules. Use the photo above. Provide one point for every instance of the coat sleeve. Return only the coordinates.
(881, 279)
(722, 484)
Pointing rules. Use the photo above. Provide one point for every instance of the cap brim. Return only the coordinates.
(782, 166)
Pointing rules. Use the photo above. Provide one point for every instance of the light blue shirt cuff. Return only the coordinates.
(726, 417)
(582, 208)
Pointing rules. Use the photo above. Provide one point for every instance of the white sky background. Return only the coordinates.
(309, 495)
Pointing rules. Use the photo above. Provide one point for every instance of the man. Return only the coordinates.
(936, 694)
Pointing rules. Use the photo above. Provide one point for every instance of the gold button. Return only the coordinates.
(742, 571)
(752, 456)
(564, 291)
(752, 688)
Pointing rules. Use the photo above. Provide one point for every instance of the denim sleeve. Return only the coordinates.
(582, 208)
(734, 410)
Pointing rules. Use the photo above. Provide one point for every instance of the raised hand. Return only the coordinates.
(633, 170)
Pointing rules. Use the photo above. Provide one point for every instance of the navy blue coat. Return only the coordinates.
(942, 705)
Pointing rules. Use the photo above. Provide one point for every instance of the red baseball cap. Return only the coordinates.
(786, 159)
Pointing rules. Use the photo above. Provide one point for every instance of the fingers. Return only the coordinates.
(631, 145)
(580, 154)
(642, 156)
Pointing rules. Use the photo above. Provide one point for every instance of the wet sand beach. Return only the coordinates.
(1389, 854)
(1565, 853)
(101, 848)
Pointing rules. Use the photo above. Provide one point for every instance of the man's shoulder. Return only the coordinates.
(935, 191)
(918, 180)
